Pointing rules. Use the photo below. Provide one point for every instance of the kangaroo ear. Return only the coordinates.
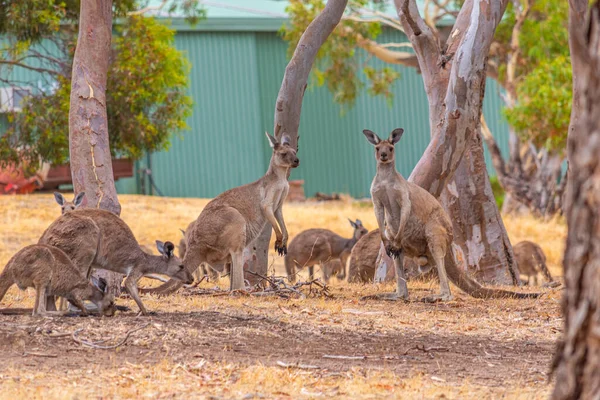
(285, 140)
(169, 247)
(59, 198)
(160, 246)
(78, 199)
(372, 137)
(182, 232)
(272, 141)
(352, 223)
(396, 135)
(103, 285)
(358, 222)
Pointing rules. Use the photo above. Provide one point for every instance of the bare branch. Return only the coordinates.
(388, 56)
(289, 100)
(29, 67)
(492, 145)
(149, 8)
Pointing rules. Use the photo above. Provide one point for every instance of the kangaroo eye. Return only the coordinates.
(391, 150)
(181, 267)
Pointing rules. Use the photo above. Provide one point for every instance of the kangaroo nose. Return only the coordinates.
(296, 162)
(383, 155)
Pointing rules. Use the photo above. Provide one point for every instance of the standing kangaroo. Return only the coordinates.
(413, 223)
(98, 239)
(320, 246)
(531, 260)
(66, 206)
(235, 218)
(50, 271)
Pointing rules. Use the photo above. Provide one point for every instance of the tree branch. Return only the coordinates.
(389, 56)
(14, 63)
(289, 100)
(492, 145)
(149, 8)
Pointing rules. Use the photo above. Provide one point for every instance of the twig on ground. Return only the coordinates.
(296, 365)
(31, 353)
(114, 346)
(335, 357)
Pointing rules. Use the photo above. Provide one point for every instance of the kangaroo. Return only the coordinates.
(320, 246)
(66, 206)
(235, 218)
(50, 271)
(531, 260)
(364, 261)
(204, 270)
(413, 223)
(99, 239)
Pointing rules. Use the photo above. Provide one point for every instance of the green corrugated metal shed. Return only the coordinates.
(238, 61)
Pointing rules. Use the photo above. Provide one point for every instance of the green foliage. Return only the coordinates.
(147, 80)
(499, 193)
(543, 86)
(337, 64)
(543, 112)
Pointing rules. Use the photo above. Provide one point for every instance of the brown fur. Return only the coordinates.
(413, 223)
(66, 206)
(324, 247)
(50, 271)
(99, 239)
(235, 218)
(204, 270)
(531, 260)
(364, 261)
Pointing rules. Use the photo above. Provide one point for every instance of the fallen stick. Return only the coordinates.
(296, 365)
(344, 357)
(40, 355)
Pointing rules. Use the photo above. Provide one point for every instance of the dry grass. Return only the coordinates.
(497, 348)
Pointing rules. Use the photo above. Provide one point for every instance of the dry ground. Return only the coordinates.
(246, 347)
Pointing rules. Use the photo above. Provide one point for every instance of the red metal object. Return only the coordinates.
(13, 181)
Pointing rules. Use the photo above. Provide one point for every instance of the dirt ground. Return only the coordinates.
(212, 345)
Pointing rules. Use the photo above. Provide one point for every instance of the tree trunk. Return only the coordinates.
(454, 80)
(89, 151)
(289, 100)
(577, 362)
(477, 224)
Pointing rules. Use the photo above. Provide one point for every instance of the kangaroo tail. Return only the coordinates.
(540, 257)
(171, 286)
(473, 288)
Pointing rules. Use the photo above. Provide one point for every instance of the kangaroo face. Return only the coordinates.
(67, 206)
(175, 268)
(359, 229)
(107, 305)
(384, 149)
(283, 154)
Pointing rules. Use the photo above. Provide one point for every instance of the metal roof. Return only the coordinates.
(246, 15)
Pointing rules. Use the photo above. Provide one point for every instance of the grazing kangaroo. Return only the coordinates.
(204, 269)
(364, 261)
(98, 239)
(413, 223)
(320, 246)
(66, 206)
(531, 260)
(235, 218)
(50, 271)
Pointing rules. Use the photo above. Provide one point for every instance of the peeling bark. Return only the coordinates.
(454, 79)
(476, 220)
(577, 361)
(89, 151)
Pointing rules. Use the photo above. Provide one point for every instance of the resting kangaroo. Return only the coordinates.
(66, 206)
(50, 271)
(233, 220)
(320, 246)
(531, 260)
(413, 223)
(99, 239)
